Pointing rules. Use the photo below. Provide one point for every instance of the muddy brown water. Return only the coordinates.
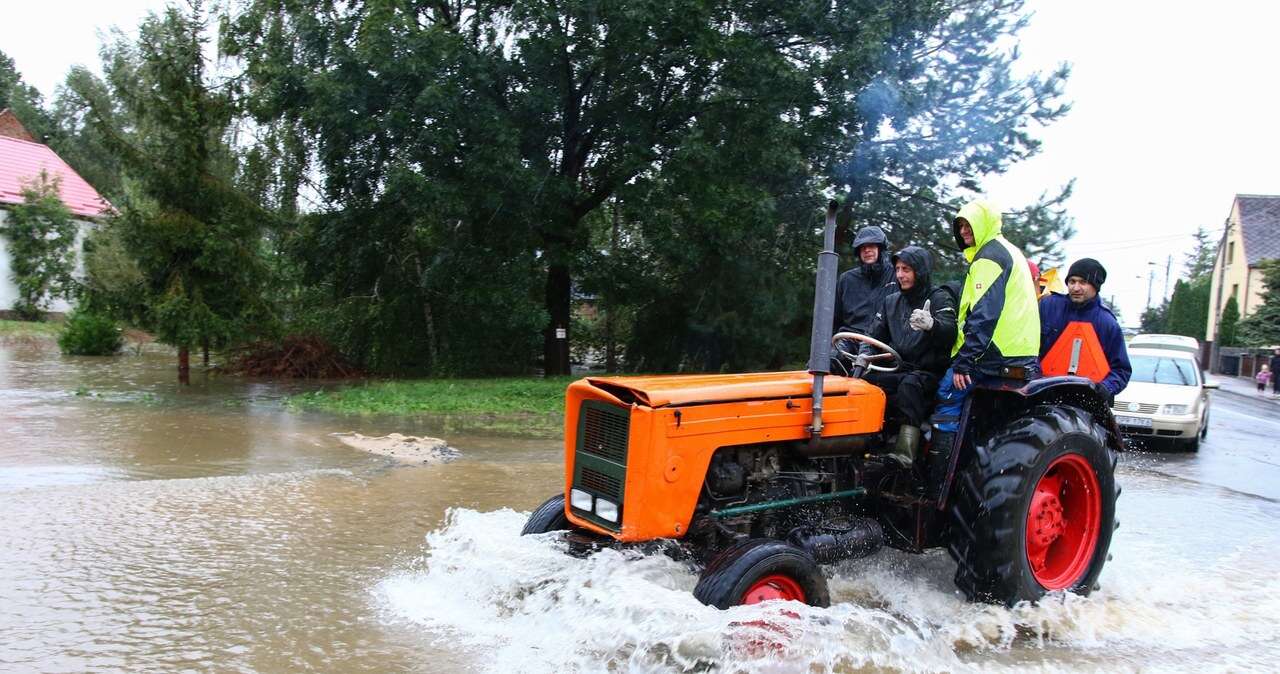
(152, 529)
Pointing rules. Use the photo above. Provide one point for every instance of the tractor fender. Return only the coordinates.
(993, 404)
(1080, 392)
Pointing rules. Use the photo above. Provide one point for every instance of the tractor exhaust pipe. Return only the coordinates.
(824, 308)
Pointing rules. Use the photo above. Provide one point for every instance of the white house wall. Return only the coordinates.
(1233, 274)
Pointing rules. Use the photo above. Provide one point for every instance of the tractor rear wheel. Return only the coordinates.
(547, 517)
(762, 569)
(1035, 510)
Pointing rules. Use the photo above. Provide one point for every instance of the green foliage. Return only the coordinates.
(1154, 318)
(1188, 309)
(531, 404)
(467, 149)
(195, 240)
(41, 238)
(80, 142)
(90, 334)
(23, 99)
(1229, 324)
(1262, 327)
(29, 329)
(112, 282)
(1200, 260)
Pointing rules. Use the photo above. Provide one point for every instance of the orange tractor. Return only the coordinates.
(761, 478)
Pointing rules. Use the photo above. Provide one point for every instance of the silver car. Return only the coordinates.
(1166, 399)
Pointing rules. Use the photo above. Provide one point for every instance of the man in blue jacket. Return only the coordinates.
(1081, 305)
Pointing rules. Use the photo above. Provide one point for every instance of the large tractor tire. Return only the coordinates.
(1035, 510)
(548, 517)
(759, 570)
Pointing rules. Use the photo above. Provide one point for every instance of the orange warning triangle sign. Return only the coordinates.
(1077, 351)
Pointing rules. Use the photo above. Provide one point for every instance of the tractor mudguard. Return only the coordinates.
(1007, 397)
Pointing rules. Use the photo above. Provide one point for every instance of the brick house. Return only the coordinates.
(21, 161)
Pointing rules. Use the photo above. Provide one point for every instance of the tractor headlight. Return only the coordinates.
(580, 500)
(1177, 410)
(607, 510)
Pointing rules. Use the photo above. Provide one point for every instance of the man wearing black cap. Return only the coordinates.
(1078, 324)
(861, 288)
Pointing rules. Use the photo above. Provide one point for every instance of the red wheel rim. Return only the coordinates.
(773, 587)
(1063, 522)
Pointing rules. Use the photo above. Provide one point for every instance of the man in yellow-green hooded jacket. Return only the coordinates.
(998, 328)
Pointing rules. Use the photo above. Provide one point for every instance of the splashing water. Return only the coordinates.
(517, 603)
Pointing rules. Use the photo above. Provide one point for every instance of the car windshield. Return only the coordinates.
(1162, 370)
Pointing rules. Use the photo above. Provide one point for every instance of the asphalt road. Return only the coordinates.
(1240, 454)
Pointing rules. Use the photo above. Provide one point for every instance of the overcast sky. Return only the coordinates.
(1175, 111)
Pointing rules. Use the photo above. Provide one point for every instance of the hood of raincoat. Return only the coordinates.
(918, 259)
(984, 218)
(875, 236)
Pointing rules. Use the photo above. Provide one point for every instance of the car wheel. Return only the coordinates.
(1204, 430)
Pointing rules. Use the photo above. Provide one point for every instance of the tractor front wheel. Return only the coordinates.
(759, 570)
(1034, 511)
(547, 517)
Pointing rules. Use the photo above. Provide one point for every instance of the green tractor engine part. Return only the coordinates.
(787, 503)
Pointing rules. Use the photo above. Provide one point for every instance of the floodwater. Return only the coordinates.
(151, 529)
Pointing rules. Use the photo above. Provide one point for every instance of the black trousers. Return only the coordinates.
(910, 393)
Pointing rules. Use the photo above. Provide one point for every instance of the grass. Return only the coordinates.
(532, 403)
(30, 329)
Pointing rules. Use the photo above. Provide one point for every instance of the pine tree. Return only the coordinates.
(1188, 309)
(1262, 328)
(196, 241)
(1229, 324)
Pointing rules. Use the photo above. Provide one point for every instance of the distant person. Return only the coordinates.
(998, 326)
(1275, 367)
(861, 288)
(919, 322)
(1263, 376)
(1078, 329)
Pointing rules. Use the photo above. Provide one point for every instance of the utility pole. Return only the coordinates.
(1168, 266)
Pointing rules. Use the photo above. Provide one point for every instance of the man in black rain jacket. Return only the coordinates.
(919, 322)
(861, 288)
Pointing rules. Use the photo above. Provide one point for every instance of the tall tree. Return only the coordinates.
(1229, 323)
(23, 99)
(1199, 260)
(944, 111)
(195, 239)
(1262, 327)
(513, 124)
(1188, 308)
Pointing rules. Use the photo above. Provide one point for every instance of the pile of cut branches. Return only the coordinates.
(294, 357)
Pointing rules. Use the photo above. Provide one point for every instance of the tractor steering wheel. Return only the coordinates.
(868, 362)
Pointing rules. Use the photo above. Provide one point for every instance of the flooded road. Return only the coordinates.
(148, 529)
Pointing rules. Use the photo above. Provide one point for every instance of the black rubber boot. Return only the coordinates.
(940, 449)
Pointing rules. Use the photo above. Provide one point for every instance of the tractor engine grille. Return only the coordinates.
(600, 457)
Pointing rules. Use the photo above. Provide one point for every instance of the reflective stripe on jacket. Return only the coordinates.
(999, 320)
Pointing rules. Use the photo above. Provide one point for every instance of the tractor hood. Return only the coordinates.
(684, 389)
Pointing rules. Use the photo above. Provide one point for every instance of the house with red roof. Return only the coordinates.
(21, 161)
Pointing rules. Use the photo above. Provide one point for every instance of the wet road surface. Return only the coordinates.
(150, 529)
